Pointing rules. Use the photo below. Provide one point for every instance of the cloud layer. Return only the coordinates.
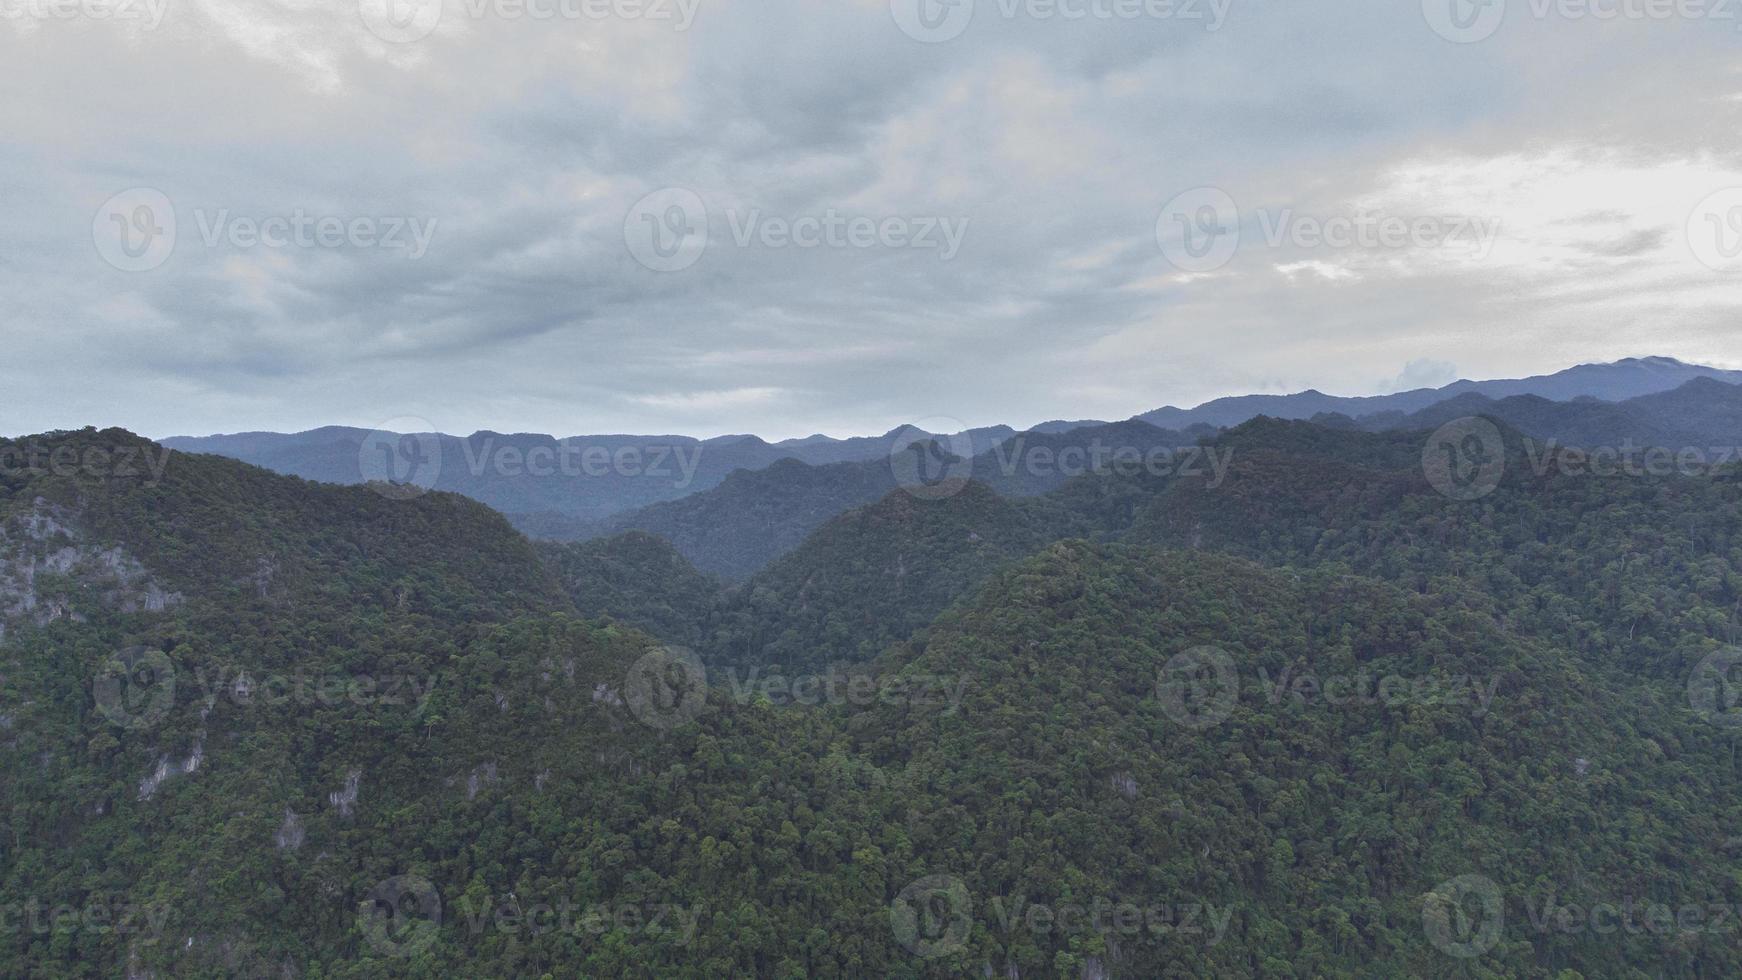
(786, 217)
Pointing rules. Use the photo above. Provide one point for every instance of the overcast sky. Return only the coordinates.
(585, 221)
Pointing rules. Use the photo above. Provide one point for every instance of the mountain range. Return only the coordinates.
(1302, 714)
(606, 475)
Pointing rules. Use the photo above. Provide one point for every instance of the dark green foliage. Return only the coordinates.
(518, 771)
(639, 579)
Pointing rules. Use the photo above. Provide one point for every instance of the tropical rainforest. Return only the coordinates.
(1308, 714)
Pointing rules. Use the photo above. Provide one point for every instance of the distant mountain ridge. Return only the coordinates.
(1631, 377)
(584, 478)
(652, 482)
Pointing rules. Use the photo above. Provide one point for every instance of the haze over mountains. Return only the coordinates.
(1300, 709)
(732, 504)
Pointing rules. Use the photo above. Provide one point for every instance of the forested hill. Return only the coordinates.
(1330, 711)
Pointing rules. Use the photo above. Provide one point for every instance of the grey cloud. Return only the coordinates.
(1057, 142)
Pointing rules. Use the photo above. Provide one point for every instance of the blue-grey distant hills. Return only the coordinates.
(679, 486)
(585, 478)
(1619, 381)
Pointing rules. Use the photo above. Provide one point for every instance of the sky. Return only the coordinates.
(784, 217)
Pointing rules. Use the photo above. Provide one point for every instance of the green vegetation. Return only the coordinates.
(374, 695)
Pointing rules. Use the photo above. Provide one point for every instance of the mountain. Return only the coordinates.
(1701, 415)
(753, 517)
(873, 576)
(587, 486)
(638, 579)
(1301, 714)
(1187, 725)
(565, 483)
(1621, 380)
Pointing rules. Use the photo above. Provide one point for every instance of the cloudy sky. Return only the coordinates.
(784, 217)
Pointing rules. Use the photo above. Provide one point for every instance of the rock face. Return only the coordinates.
(291, 833)
(346, 799)
(49, 570)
